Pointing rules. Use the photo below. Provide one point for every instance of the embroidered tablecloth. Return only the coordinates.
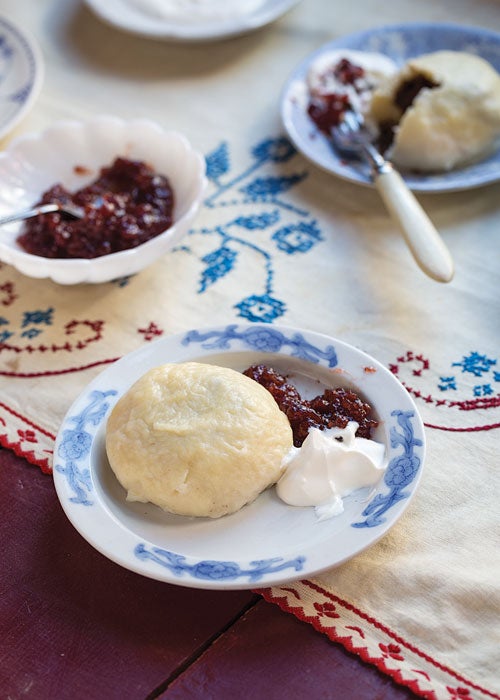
(277, 240)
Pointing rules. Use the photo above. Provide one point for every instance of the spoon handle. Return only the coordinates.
(28, 213)
(421, 236)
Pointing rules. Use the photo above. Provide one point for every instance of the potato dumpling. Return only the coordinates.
(197, 439)
(444, 109)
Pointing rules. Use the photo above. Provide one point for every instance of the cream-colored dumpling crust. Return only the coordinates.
(197, 439)
(447, 126)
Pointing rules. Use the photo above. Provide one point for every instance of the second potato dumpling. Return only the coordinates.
(197, 439)
(444, 108)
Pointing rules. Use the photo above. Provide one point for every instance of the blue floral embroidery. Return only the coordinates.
(271, 150)
(122, 281)
(475, 363)
(31, 333)
(5, 335)
(447, 383)
(276, 150)
(29, 319)
(215, 570)
(258, 221)
(218, 162)
(38, 317)
(219, 263)
(262, 339)
(76, 444)
(297, 238)
(483, 390)
(265, 190)
(263, 308)
(400, 473)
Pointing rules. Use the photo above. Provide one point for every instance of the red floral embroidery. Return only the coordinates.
(422, 365)
(422, 673)
(326, 610)
(27, 435)
(459, 692)
(93, 328)
(391, 650)
(398, 646)
(151, 331)
(8, 294)
(292, 591)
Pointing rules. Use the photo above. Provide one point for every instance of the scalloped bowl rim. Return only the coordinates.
(115, 265)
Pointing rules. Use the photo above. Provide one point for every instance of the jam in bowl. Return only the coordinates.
(140, 187)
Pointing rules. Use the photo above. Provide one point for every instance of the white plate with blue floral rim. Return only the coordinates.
(175, 23)
(399, 42)
(21, 74)
(267, 542)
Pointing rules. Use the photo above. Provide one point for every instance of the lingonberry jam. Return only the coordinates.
(327, 109)
(348, 73)
(335, 408)
(127, 205)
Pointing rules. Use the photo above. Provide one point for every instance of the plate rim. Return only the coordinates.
(106, 543)
(190, 32)
(35, 56)
(361, 35)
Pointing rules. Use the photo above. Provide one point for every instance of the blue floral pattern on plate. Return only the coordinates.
(400, 42)
(264, 340)
(401, 471)
(144, 539)
(75, 445)
(215, 570)
(21, 71)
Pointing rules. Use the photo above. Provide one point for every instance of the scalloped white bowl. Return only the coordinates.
(35, 162)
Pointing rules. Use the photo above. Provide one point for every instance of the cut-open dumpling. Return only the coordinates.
(439, 112)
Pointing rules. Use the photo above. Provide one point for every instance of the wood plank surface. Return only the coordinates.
(268, 654)
(74, 625)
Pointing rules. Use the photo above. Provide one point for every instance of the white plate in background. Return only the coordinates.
(138, 17)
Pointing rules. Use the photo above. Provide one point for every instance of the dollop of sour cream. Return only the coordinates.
(330, 465)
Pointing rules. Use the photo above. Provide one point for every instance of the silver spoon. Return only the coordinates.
(71, 209)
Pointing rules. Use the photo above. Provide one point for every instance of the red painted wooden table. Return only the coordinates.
(75, 625)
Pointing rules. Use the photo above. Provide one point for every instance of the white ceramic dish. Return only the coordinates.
(137, 17)
(33, 163)
(399, 42)
(266, 542)
(21, 74)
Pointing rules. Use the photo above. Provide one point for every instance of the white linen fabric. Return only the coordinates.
(277, 240)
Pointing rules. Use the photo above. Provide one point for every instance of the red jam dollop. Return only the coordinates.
(335, 408)
(327, 110)
(127, 205)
